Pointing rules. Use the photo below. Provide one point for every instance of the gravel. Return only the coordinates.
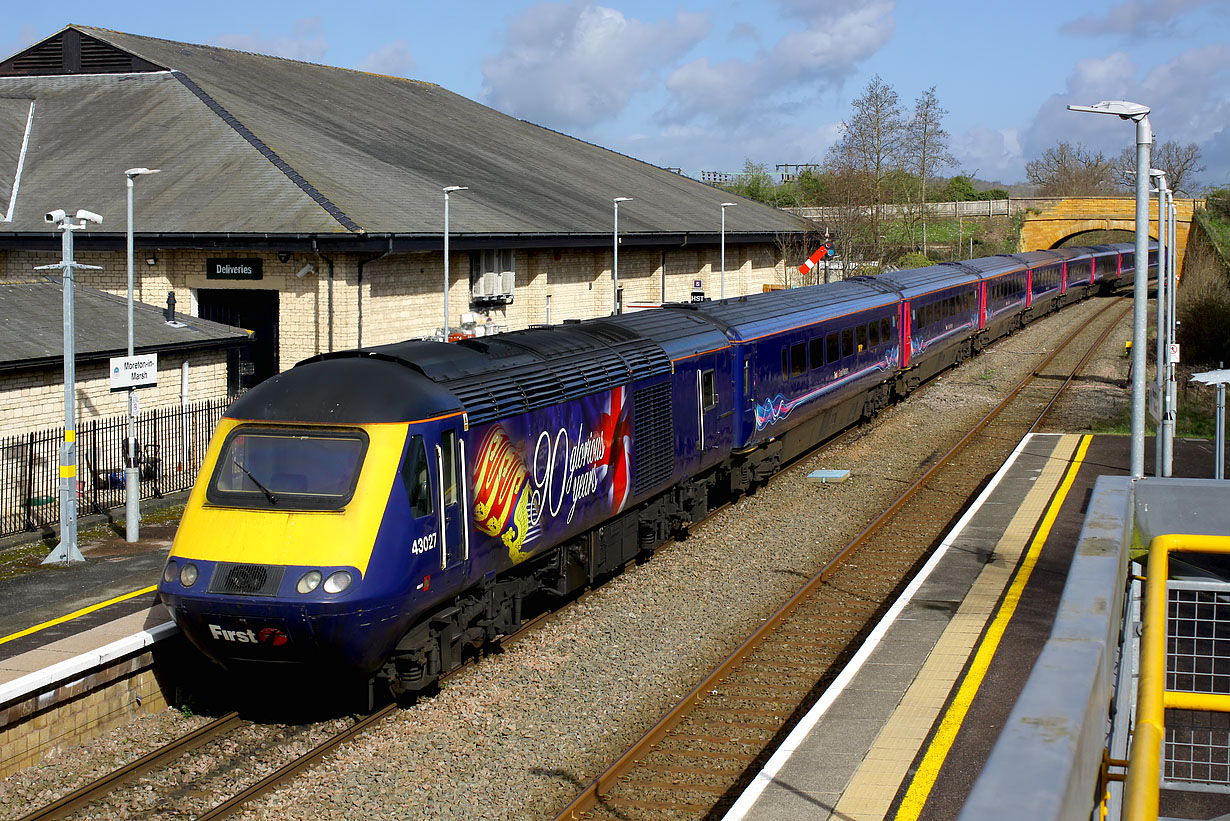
(520, 733)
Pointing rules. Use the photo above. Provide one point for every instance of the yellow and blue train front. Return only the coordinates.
(293, 545)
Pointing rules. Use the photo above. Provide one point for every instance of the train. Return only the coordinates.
(380, 513)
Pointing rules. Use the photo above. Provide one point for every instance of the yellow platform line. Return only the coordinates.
(76, 614)
(924, 779)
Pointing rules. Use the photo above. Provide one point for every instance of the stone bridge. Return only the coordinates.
(1051, 220)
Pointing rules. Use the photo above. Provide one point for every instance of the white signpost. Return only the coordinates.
(134, 371)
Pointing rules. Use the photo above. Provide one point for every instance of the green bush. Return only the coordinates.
(1218, 203)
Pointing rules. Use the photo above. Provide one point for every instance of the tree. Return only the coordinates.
(1180, 162)
(1065, 170)
(927, 146)
(871, 144)
(754, 183)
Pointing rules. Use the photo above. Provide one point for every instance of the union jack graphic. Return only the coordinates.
(618, 457)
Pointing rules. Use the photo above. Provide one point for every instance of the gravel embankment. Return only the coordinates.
(517, 735)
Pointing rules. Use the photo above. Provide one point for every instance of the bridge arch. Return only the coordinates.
(1049, 221)
(1127, 235)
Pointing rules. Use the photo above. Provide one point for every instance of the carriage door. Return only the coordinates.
(451, 490)
(708, 433)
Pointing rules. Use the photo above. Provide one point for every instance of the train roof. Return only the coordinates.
(756, 315)
(498, 376)
(1001, 264)
(344, 390)
(914, 282)
(1036, 258)
(679, 328)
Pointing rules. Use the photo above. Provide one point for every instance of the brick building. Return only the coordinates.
(305, 203)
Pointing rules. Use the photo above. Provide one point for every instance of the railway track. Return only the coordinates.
(698, 758)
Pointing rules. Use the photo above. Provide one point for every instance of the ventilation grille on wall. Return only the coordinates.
(653, 440)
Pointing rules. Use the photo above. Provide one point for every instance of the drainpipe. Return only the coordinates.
(329, 262)
(387, 251)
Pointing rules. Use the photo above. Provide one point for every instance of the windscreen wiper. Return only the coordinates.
(273, 500)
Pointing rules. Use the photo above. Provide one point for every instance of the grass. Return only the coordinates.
(1190, 423)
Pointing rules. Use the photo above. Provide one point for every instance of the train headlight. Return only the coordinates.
(339, 581)
(187, 576)
(170, 571)
(309, 581)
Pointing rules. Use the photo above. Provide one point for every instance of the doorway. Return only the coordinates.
(252, 310)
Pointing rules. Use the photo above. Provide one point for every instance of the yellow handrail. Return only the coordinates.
(1144, 761)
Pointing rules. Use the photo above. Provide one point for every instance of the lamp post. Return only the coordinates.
(1139, 114)
(448, 189)
(1171, 272)
(67, 551)
(1163, 235)
(132, 480)
(725, 205)
(615, 306)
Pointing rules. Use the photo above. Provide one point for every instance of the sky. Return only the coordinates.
(706, 85)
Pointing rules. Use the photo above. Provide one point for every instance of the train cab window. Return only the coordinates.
(417, 479)
(708, 389)
(873, 334)
(832, 350)
(798, 358)
(448, 448)
(300, 468)
(860, 338)
(847, 342)
(815, 350)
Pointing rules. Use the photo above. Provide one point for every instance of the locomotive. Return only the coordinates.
(383, 511)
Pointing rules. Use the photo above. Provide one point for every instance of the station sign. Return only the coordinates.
(134, 371)
(216, 268)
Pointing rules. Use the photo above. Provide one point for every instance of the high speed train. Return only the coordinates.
(381, 512)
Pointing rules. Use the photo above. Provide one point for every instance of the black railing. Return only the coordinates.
(171, 445)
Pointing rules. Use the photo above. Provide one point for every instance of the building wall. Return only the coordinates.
(34, 400)
(400, 296)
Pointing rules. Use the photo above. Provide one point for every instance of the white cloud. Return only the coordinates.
(988, 153)
(306, 41)
(1186, 95)
(575, 64)
(26, 36)
(1135, 18)
(393, 59)
(825, 52)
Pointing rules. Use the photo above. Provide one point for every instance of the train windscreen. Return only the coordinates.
(300, 469)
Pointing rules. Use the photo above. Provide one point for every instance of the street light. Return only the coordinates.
(67, 551)
(1144, 139)
(132, 480)
(725, 205)
(615, 261)
(448, 189)
(1163, 212)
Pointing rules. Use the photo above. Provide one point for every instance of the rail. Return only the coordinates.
(1153, 697)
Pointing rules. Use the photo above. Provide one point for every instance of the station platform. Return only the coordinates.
(904, 731)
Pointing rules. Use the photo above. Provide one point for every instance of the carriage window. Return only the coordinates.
(873, 334)
(448, 446)
(816, 351)
(847, 342)
(416, 478)
(860, 338)
(886, 329)
(798, 358)
(708, 389)
(832, 350)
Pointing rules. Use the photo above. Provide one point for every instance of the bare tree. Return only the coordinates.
(871, 143)
(1180, 162)
(1065, 170)
(927, 147)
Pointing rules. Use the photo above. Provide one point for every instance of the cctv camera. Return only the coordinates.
(305, 270)
(89, 216)
(55, 216)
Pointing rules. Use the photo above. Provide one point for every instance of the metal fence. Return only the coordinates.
(171, 444)
(1197, 746)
